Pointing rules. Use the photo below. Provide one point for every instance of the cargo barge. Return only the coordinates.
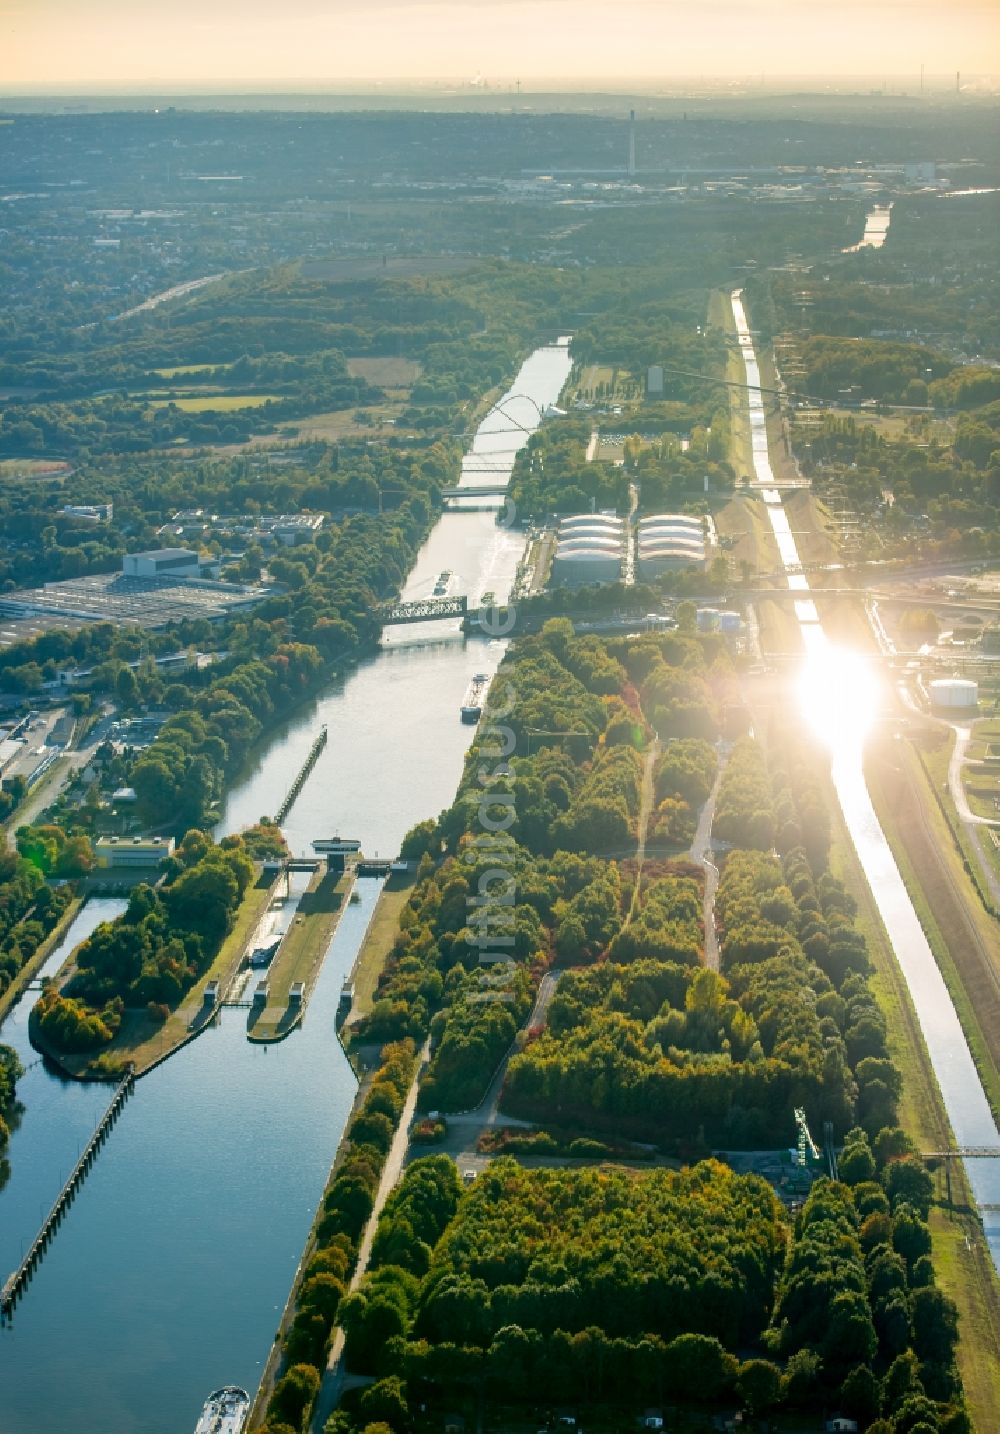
(225, 1412)
(475, 698)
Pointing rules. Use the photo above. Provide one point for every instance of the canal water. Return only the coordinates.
(169, 1274)
(876, 230)
(57, 1116)
(840, 701)
(396, 740)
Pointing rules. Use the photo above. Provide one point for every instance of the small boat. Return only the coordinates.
(262, 956)
(224, 1412)
(475, 697)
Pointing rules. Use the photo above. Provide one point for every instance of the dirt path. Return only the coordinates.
(334, 1376)
(701, 852)
(645, 812)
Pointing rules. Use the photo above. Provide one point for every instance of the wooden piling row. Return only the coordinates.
(300, 780)
(19, 1278)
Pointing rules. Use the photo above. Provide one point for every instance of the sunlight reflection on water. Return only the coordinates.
(839, 692)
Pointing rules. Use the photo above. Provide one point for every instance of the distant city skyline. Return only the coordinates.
(201, 42)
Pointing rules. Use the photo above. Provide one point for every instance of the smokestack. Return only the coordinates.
(631, 144)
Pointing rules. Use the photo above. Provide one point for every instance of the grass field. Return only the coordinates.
(720, 316)
(32, 468)
(779, 629)
(183, 368)
(386, 372)
(341, 422)
(409, 266)
(744, 520)
(217, 402)
(301, 953)
(378, 941)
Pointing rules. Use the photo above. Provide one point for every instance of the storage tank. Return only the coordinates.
(959, 694)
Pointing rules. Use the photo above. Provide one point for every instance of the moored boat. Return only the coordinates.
(263, 955)
(224, 1412)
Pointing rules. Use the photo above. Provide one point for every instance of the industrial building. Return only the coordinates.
(590, 548)
(133, 851)
(153, 590)
(161, 563)
(669, 542)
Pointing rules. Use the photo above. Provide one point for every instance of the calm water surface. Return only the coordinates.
(168, 1275)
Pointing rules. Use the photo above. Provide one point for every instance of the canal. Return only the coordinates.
(840, 701)
(169, 1274)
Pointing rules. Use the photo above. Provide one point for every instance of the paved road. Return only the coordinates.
(968, 817)
(972, 823)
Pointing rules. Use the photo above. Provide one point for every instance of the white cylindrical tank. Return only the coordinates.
(954, 693)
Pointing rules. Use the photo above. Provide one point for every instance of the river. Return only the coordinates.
(840, 700)
(169, 1273)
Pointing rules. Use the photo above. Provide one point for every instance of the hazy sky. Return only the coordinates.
(134, 41)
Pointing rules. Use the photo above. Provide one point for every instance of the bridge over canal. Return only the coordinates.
(425, 610)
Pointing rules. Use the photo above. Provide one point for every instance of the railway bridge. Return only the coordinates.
(424, 610)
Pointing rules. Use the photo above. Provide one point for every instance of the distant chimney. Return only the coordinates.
(631, 144)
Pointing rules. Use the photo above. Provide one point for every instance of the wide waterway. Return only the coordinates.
(396, 742)
(169, 1273)
(840, 702)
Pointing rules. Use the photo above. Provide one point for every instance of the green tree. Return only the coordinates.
(294, 1394)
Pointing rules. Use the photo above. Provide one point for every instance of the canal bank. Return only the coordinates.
(173, 1256)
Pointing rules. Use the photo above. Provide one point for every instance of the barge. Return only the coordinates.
(475, 698)
(225, 1412)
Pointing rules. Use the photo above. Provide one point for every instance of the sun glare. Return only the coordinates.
(840, 695)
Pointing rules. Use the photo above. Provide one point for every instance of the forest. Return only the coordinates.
(607, 1288)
